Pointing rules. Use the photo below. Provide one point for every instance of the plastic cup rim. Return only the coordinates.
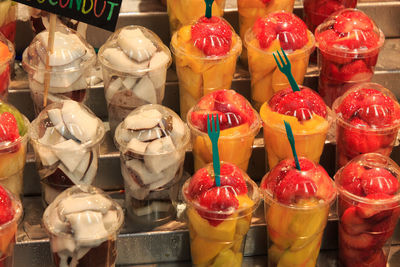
(22, 139)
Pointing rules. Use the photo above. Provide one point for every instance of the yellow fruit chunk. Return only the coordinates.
(274, 254)
(203, 250)
(225, 258)
(7, 235)
(237, 244)
(278, 219)
(12, 163)
(191, 81)
(224, 231)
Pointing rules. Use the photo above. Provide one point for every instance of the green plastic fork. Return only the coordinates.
(214, 136)
(209, 4)
(286, 68)
(291, 141)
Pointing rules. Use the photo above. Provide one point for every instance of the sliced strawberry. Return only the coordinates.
(361, 241)
(277, 174)
(349, 71)
(326, 39)
(233, 103)
(231, 175)
(213, 36)
(350, 178)
(349, 106)
(352, 223)
(265, 33)
(295, 187)
(199, 119)
(221, 198)
(351, 20)
(266, 1)
(4, 79)
(8, 128)
(375, 213)
(379, 180)
(6, 210)
(200, 182)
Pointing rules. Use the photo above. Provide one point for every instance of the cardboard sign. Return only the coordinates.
(99, 13)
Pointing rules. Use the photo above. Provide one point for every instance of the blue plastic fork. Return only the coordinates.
(286, 68)
(208, 8)
(213, 133)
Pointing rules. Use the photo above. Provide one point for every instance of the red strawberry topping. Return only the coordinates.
(232, 176)
(353, 20)
(213, 36)
(8, 128)
(6, 210)
(351, 178)
(294, 187)
(379, 180)
(301, 104)
(200, 182)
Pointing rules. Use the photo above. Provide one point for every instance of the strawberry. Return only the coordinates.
(6, 210)
(277, 174)
(379, 180)
(230, 102)
(264, 32)
(199, 119)
(352, 223)
(301, 104)
(266, 1)
(222, 198)
(357, 39)
(326, 8)
(294, 187)
(372, 212)
(200, 182)
(326, 38)
(8, 128)
(232, 176)
(9, 30)
(350, 178)
(361, 241)
(349, 71)
(351, 20)
(4, 79)
(213, 36)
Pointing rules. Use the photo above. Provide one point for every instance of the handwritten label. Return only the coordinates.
(100, 13)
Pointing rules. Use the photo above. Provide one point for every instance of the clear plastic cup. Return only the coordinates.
(94, 221)
(199, 74)
(8, 232)
(346, 57)
(181, 12)
(13, 154)
(295, 226)
(367, 125)
(7, 55)
(266, 78)
(70, 66)
(8, 24)
(66, 138)
(239, 124)
(152, 141)
(250, 11)
(316, 11)
(217, 236)
(309, 134)
(368, 209)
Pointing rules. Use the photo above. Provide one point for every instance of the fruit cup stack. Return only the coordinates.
(367, 120)
(250, 10)
(14, 135)
(269, 34)
(349, 43)
(206, 54)
(309, 118)
(7, 54)
(297, 205)
(239, 124)
(219, 216)
(183, 12)
(368, 209)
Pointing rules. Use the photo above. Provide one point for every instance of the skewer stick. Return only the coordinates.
(50, 47)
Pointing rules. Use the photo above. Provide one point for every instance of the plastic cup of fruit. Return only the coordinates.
(95, 221)
(239, 125)
(8, 25)
(266, 37)
(66, 138)
(70, 66)
(181, 12)
(310, 125)
(250, 11)
(134, 62)
(201, 71)
(217, 234)
(13, 150)
(11, 212)
(316, 11)
(152, 141)
(296, 204)
(367, 120)
(368, 209)
(7, 55)
(349, 43)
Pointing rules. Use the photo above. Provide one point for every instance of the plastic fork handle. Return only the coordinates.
(216, 162)
(208, 8)
(293, 83)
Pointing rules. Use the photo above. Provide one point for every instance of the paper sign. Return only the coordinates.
(99, 13)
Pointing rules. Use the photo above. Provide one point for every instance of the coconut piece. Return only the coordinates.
(77, 175)
(145, 90)
(87, 225)
(178, 130)
(55, 117)
(92, 170)
(137, 146)
(158, 66)
(147, 135)
(75, 204)
(135, 44)
(79, 84)
(160, 154)
(50, 137)
(142, 173)
(147, 119)
(79, 122)
(67, 48)
(110, 218)
(133, 188)
(112, 88)
(118, 58)
(129, 82)
(125, 135)
(168, 175)
(70, 153)
(46, 155)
